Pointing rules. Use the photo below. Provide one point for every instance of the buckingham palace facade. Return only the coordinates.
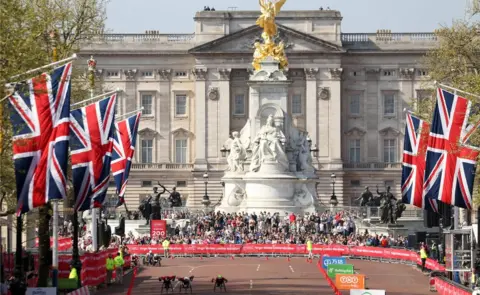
(348, 92)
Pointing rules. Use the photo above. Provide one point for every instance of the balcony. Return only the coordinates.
(144, 38)
(352, 38)
(161, 166)
(372, 166)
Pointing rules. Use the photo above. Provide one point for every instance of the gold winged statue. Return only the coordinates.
(266, 21)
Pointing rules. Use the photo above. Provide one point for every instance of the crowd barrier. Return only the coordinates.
(444, 288)
(288, 249)
(93, 266)
(64, 244)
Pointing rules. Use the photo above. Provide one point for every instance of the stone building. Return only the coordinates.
(348, 92)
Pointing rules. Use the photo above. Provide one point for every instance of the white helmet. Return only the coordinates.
(186, 278)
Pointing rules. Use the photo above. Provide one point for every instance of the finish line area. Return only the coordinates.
(273, 276)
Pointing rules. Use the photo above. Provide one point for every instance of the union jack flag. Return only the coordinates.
(91, 143)
(123, 150)
(414, 161)
(40, 120)
(450, 166)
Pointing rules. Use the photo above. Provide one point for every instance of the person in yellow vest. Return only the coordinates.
(423, 257)
(110, 266)
(166, 247)
(73, 274)
(310, 250)
(119, 267)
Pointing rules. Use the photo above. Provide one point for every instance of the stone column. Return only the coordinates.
(224, 107)
(164, 117)
(130, 90)
(200, 118)
(311, 104)
(372, 113)
(335, 116)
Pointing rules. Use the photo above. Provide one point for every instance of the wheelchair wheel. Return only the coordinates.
(224, 287)
(191, 290)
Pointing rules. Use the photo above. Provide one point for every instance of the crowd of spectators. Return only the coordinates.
(266, 228)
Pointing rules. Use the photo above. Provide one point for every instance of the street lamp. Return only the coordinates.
(333, 198)
(314, 148)
(206, 199)
(224, 151)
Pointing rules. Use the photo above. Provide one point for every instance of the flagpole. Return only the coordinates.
(92, 64)
(53, 35)
(129, 113)
(73, 57)
(96, 97)
(456, 89)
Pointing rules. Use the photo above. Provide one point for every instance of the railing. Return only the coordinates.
(372, 166)
(353, 38)
(161, 166)
(144, 38)
(375, 212)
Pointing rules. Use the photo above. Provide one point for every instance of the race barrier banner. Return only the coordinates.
(350, 281)
(327, 260)
(81, 291)
(158, 229)
(64, 244)
(444, 288)
(329, 280)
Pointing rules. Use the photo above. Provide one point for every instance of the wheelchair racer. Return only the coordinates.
(219, 281)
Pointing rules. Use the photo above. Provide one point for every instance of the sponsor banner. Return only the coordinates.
(64, 243)
(158, 229)
(41, 291)
(367, 292)
(444, 288)
(327, 260)
(334, 269)
(348, 282)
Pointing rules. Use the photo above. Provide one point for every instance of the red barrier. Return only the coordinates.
(132, 281)
(64, 244)
(328, 279)
(444, 288)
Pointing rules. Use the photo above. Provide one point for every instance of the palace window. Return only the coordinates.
(146, 183)
(181, 183)
(147, 104)
(180, 105)
(422, 73)
(113, 74)
(389, 151)
(355, 182)
(354, 151)
(354, 104)
(147, 74)
(181, 151)
(239, 105)
(180, 74)
(147, 151)
(297, 104)
(389, 183)
(389, 104)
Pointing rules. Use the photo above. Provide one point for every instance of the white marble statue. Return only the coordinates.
(238, 153)
(304, 154)
(269, 146)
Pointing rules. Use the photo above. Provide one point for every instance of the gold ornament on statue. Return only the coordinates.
(266, 21)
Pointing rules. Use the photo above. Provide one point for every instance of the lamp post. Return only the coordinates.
(313, 149)
(206, 199)
(333, 198)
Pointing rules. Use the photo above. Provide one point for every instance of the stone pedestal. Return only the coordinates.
(274, 187)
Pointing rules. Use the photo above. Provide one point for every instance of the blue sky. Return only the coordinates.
(176, 16)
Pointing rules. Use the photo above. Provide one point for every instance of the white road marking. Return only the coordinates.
(291, 268)
(192, 268)
(251, 284)
(258, 267)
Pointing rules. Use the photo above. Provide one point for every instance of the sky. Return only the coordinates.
(359, 16)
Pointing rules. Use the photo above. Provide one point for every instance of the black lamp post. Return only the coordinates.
(333, 198)
(206, 199)
(224, 151)
(76, 262)
(19, 284)
(314, 148)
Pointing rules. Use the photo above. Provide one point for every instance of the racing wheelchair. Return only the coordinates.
(219, 282)
(185, 284)
(167, 283)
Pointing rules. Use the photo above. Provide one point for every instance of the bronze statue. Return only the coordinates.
(387, 206)
(156, 207)
(146, 209)
(175, 199)
(399, 208)
(366, 197)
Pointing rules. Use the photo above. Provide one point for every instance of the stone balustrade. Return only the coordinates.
(161, 166)
(372, 166)
(144, 38)
(387, 37)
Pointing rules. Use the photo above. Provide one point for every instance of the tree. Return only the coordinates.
(27, 42)
(456, 62)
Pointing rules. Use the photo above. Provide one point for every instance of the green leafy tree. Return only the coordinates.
(32, 34)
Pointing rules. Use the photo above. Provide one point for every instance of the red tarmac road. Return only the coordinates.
(273, 276)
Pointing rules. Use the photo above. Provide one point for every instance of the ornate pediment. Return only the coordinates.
(356, 131)
(181, 132)
(147, 132)
(243, 40)
(389, 131)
